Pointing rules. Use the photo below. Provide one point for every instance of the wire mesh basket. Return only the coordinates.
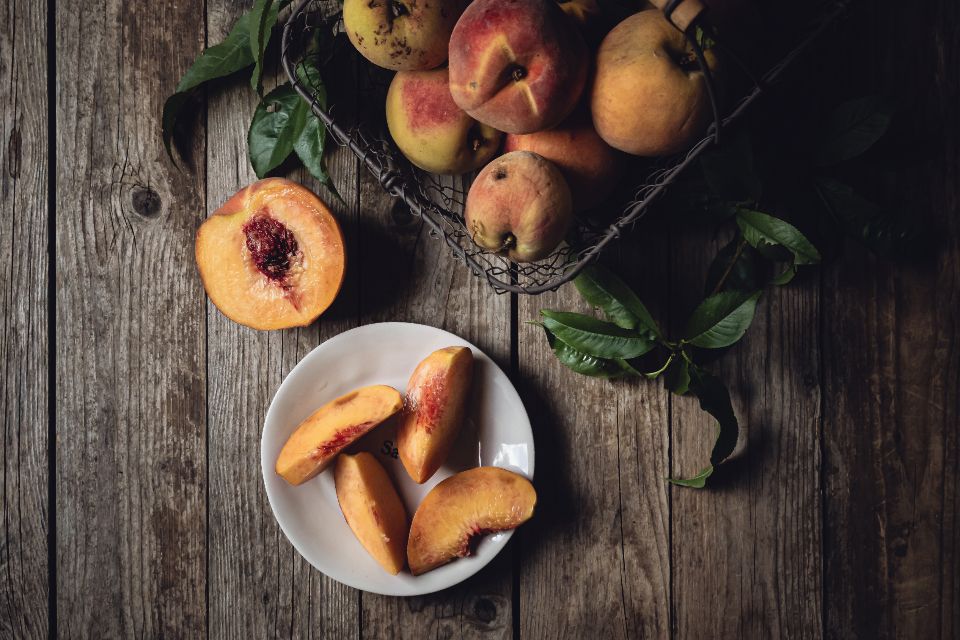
(438, 200)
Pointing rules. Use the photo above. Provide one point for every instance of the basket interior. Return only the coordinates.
(439, 199)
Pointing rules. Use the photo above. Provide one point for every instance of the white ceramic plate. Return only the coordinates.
(496, 433)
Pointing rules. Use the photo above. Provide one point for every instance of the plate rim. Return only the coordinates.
(266, 466)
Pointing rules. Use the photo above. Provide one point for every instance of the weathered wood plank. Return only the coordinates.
(408, 276)
(891, 351)
(259, 585)
(24, 262)
(596, 558)
(746, 551)
(131, 424)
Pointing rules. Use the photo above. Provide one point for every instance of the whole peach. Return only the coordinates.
(431, 130)
(403, 35)
(649, 96)
(519, 206)
(517, 65)
(590, 166)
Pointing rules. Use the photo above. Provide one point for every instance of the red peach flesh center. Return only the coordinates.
(272, 245)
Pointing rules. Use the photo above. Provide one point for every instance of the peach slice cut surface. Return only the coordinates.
(272, 257)
(472, 503)
(436, 402)
(333, 427)
(373, 509)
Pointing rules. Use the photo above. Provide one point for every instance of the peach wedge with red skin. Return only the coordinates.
(372, 509)
(272, 257)
(332, 428)
(431, 130)
(517, 65)
(471, 503)
(436, 404)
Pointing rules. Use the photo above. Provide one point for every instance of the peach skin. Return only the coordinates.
(403, 35)
(591, 166)
(431, 130)
(437, 396)
(649, 96)
(519, 206)
(517, 65)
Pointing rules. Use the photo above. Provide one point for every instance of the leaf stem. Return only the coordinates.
(733, 262)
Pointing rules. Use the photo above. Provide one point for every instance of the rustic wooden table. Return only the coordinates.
(132, 498)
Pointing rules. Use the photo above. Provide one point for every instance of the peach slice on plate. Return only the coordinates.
(333, 427)
(436, 401)
(272, 257)
(471, 503)
(373, 509)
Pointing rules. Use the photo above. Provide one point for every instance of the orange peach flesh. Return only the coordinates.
(333, 427)
(436, 402)
(373, 509)
(472, 503)
(272, 256)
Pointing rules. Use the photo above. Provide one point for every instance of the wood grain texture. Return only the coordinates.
(746, 551)
(838, 517)
(259, 585)
(130, 345)
(596, 558)
(891, 350)
(407, 275)
(24, 343)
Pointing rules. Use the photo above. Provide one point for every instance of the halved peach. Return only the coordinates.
(332, 427)
(471, 503)
(272, 256)
(373, 509)
(436, 401)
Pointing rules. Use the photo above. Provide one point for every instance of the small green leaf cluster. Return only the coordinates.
(283, 123)
(613, 347)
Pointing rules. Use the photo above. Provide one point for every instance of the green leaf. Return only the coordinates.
(582, 363)
(263, 17)
(279, 120)
(309, 148)
(742, 271)
(715, 400)
(677, 376)
(311, 143)
(698, 481)
(721, 319)
(595, 337)
(877, 229)
(171, 111)
(704, 38)
(760, 229)
(601, 288)
(785, 277)
(230, 56)
(852, 128)
(653, 375)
